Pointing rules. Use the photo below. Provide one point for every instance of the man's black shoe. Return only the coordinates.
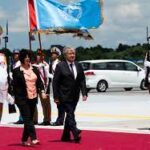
(66, 138)
(19, 122)
(79, 131)
(45, 123)
(56, 124)
(77, 139)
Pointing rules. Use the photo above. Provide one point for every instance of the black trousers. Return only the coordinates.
(27, 112)
(61, 114)
(70, 122)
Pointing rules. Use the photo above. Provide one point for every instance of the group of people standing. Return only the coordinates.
(46, 72)
(33, 80)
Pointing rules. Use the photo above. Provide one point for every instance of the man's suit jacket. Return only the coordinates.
(65, 87)
(19, 85)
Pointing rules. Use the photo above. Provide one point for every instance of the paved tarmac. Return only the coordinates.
(114, 110)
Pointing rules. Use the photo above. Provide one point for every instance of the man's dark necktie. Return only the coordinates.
(72, 71)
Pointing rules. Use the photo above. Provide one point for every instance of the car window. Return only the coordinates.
(99, 66)
(85, 66)
(115, 66)
(130, 66)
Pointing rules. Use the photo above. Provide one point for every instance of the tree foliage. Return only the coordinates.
(123, 51)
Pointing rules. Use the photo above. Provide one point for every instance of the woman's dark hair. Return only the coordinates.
(23, 54)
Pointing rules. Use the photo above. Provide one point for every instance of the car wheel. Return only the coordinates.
(142, 86)
(102, 86)
(128, 89)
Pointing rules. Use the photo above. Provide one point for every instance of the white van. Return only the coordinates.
(104, 74)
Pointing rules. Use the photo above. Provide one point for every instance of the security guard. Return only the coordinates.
(55, 54)
(43, 68)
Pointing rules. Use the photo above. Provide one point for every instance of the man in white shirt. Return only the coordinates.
(147, 70)
(16, 61)
(43, 68)
(55, 54)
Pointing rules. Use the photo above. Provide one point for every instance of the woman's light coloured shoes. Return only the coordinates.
(26, 143)
(35, 142)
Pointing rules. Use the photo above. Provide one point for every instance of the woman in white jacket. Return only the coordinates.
(3, 83)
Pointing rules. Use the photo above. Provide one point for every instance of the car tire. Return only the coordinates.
(102, 86)
(128, 89)
(142, 85)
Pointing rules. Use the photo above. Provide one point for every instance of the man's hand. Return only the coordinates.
(57, 101)
(84, 98)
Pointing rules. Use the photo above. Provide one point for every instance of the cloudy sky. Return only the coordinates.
(125, 21)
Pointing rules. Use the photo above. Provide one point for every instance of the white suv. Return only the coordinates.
(104, 74)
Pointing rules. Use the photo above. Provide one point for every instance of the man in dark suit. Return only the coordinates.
(68, 81)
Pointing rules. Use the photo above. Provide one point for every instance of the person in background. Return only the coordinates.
(16, 63)
(147, 70)
(27, 85)
(43, 68)
(3, 82)
(68, 81)
(54, 60)
(4, 95)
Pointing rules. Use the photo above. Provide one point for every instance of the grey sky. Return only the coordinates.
(125, 22)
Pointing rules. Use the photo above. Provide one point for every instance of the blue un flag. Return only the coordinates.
(68, 14)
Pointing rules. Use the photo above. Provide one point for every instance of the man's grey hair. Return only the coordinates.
(66, 49)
